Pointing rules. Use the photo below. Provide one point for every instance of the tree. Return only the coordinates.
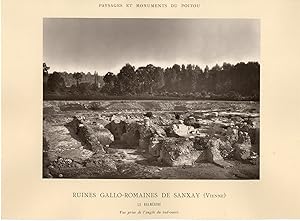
(110, 84)
(206, 71)
(241, 80)
(127, 77)
(77, 76)
(109, 78)
(45, 69)
(56, 82)
(176, 77)
(213, 77)
(45, 78)
(199, 79)
(170, 79)
(159, 79)
(152, 78)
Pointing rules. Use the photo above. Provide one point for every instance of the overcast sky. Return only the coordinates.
(108, 44)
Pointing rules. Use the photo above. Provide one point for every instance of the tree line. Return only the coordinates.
(227, 82)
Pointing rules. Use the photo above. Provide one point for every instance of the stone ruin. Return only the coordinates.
(95, 136)
(182, 143)
(179, 144)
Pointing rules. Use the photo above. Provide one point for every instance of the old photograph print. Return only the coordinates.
(151, 98)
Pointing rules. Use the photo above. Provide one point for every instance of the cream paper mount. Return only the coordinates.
(26, 194)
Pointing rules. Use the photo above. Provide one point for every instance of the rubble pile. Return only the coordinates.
(178, 152)
(95, 137)
(213, 153)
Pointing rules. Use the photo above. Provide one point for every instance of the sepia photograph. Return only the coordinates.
(153, 98)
